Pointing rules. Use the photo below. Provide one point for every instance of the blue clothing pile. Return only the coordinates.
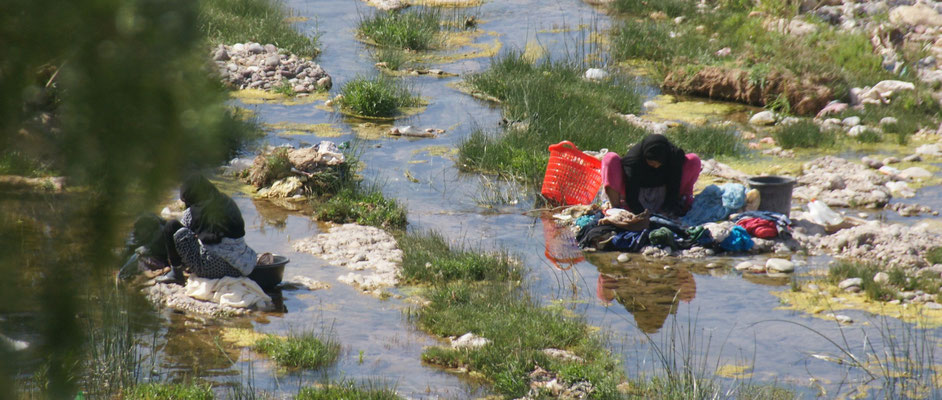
(715, 203)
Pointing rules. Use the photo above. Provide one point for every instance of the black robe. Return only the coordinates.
(638, 174)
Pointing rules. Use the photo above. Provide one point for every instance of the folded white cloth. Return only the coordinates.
(229, 291)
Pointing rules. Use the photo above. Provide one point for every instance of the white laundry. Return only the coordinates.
(229, 291)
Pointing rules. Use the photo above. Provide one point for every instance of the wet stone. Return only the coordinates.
(779, 265)
(849, 283)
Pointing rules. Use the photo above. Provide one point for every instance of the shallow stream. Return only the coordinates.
(732, 317)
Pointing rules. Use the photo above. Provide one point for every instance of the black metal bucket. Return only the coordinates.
(270, 275)
(775, 192)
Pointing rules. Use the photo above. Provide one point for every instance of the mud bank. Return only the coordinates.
(807, 95)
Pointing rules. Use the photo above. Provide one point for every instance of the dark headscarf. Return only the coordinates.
(214, 214)
(638, 174)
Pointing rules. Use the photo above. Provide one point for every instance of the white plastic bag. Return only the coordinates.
(824, 215)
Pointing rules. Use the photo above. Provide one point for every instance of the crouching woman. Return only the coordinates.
(209, 240)
(654, 175)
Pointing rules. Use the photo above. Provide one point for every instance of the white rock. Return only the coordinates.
(762, 118)
(851, 121)
(919, 14)
(564, 355)
(596, 74)
(843, 319)
(888, 121)
(915, 173)
(850, 282)
(649, 105)
(891, 160)
(779, 265)
(623, 258)
(743, 266)
(254, 48)
(881, 277)
(888, 170)
(900, 188)
(13, 344)
(932, 149)
(469, 340)
(857, 130)
(790, 120)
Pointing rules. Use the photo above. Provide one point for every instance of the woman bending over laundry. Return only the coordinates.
(654, 175)
(209, 240)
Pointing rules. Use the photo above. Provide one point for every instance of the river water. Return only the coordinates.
(731, 317)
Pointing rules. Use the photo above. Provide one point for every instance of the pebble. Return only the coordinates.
(779, 265)
(870, 162)
(881, 277)
(762, 118)
(851, 121)
(850, 282)
(891, 160)
(843, 319)
(596, 74)
(713, 265)
(912, 158)
(623, 258)
(253, 66)
(857, 130)
(469, 341)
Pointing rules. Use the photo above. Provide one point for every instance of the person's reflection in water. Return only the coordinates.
(649, 293)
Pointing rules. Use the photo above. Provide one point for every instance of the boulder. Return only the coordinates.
(779, 265)
(915, 173)
(919, 14)
(849, 283)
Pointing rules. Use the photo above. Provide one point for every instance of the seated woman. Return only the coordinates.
(209, 241)
(654, 175)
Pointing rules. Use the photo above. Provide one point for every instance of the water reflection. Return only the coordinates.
(649, 292)
(562, 249)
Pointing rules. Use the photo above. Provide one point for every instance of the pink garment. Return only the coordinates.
(613, 176)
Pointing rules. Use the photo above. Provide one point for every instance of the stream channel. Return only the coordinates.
(732, 317)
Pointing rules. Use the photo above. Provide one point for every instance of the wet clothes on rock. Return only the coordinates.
(715, 203)
(758, 227)
(669, 187)
(782, 223)
(738, 240)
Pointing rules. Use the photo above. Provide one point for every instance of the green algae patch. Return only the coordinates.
(734, 371)
(370, 130)
(257, 96)
(231, 186)
(241, 337)
(464, 45)
(438, 151)
(296, 128)
(818, 305)
(698, 112)
(465, 88)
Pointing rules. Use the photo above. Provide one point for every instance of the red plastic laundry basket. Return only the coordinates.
(572, 177)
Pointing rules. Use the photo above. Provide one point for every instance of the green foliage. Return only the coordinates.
(376, 97)
(708, 141)
(427, 258)
(284, 88)
(780, 8)
(487, 309)
(865, 272)
(411, 29)
(934, 256)
(170, 391)
(365, 206)
(14, 162)
(672, 8)
(550, 103)
(869, 136)
(347, 391)
(804, 134)
(263, 21)
(306, 351)
(117, 97)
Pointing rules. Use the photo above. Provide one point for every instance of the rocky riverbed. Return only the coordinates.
(254, 66)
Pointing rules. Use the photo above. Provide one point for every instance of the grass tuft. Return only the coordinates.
(412, 29)
(672, 8)
(363, 205)
(549, 102)
(170, 391)
(376, 97)
(306, 351)
(17, 163)
(427, 257)
(347, 390)
(263, 21)
(865, 272)
(804, 134)
(487, 310)
(708, 141)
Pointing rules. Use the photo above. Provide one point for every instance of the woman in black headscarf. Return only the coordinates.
(209, 238)
(654, 175)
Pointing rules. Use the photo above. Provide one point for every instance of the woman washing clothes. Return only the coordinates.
(654, 175)
(209, 239)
